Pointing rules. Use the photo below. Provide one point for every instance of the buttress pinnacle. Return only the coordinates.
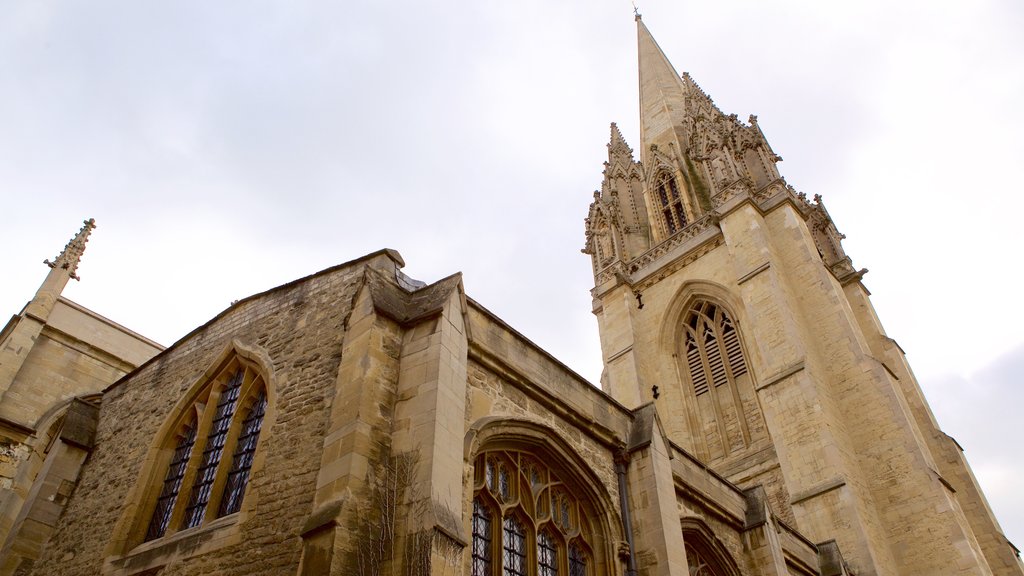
(72, 254)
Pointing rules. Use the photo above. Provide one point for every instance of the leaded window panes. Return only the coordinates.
(228, 414)
(245, 450)
(526, 518)
(547, 555)
(513, 547)
(481, 539)
(577, 561)
(212, 453)
(172, 484)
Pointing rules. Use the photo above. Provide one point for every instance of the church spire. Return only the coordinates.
(662, 97)
(72, 254)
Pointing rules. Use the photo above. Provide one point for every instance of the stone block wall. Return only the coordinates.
(299, 327)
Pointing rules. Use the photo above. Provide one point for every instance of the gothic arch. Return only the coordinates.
(706, 555)
(689, 293)
(497, 435)
(253, 406)
(668, 196)
(703, 333)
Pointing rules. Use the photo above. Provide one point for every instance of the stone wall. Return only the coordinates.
(299, 327)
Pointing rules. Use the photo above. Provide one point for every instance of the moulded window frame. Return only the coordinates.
(666, 175)
(202, 408)
(252, 383)
(533, 523)
(697, 306)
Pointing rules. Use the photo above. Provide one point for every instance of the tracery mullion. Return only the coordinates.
(677, 203)
(513, 544)
(702, 324)
(734, 388)
(692, 409)
(251, 382)
(204, 418)
(483, 546)
(213, 449)
(174, 478)
(237, 477)
(548, 559)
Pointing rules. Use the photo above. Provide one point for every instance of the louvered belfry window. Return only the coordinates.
(670, 202)
(526, 520)
(713, 352)
(723, 407)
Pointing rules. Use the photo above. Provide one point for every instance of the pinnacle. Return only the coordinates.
(69, 258)
(619, 153)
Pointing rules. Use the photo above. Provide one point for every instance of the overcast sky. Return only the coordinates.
(228, 147)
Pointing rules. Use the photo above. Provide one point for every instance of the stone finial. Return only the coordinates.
(617, 143)
(72, 254)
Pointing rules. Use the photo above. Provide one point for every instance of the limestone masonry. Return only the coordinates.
(753, 417)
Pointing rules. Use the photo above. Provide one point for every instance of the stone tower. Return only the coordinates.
(724, 297)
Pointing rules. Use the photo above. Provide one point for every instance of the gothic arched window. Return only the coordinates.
(718, 377)
(670, 203)
(705, 554)
(526, 520)
(213, 451)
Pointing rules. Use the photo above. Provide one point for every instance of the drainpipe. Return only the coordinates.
(621, 461)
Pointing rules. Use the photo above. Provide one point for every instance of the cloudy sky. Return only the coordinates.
(228, 147)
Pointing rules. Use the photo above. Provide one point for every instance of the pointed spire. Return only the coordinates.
(617, 143)
(662, 96)
(72, 254)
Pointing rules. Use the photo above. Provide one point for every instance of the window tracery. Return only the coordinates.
(714, 362)
(525, 515)
(172, 483)
(670, 203)
(226, 417)
(713, 351)
(705, 554)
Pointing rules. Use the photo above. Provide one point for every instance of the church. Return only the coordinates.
(753, 417)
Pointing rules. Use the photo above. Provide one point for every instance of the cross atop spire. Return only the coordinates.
(72, 254)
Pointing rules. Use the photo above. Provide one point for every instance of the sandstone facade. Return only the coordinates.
(753, 417)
